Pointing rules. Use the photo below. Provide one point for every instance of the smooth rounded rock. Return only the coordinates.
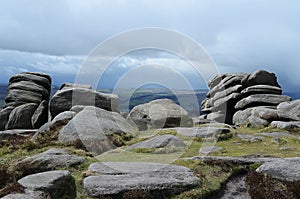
(162, 113)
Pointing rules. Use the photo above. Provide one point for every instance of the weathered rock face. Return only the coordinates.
(27, 92)
(4, 116)
(231, 93)
(20, 117)
(256, 116)
(260, 77)
(289, 110)
(56, 184)
(50, 160)
(114, 179)
(160, 113)
(261, 100)
(93, 126)
(65, 99)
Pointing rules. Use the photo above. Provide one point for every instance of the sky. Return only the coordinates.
(56, 37)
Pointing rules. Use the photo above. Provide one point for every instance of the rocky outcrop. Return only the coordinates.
(152, 180)
(70, 96)
(232, 97)
(26, 101)
(162, 113)
(223, 95)
(93, 127)
(257, 116)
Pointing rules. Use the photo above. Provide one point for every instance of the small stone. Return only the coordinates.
(210, 149)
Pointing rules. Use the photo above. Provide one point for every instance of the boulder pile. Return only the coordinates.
(26, 101)
(244, 98)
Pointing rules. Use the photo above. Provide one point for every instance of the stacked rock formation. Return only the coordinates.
(71, 95)
(26, 101)
(244, 98)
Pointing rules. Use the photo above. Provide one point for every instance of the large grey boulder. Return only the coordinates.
(57, 184)
(287, 169)
(161, 113)
(20, 117)
(261, 100)
(4, 116)
(50, 160)
(289, 110)
(261, 89)
(93, 127)
(165, 144)
(256, 116)
(63, 100)
(260, 77)
(115, 179)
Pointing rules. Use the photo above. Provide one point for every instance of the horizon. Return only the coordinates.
(57, 37)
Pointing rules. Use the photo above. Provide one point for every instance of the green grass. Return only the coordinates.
(212, 176)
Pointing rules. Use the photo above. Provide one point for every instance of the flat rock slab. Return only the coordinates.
(114, 179)
(7, 134)
(250, 138)
(201, 132)
(52, 159)
(277, 134)
(210, 149)
(27, 195)
(162, 141)
(282, 169)
(261, 100)
(285, 125)
(58, 184)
